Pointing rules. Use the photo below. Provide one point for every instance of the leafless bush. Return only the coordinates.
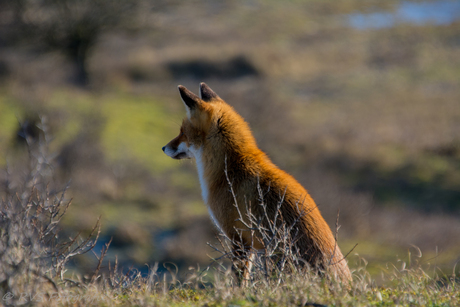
(31, 251)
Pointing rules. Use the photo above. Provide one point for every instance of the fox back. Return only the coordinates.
(236, 177)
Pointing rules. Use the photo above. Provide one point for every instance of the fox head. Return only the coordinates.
(198, 123)
(209, 120)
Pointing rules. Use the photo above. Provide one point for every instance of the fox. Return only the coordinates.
(233, 171)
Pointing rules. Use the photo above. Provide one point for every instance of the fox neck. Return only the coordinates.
(201, 174)
(214, 163)
(205, 183)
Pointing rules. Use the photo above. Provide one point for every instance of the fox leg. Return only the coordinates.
(243, 259)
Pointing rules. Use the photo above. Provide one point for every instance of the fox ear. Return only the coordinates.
(206, 93)
(190, 100)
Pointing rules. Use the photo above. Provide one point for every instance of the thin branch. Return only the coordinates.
(101, 258)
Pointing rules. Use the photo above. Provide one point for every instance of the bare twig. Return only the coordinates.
(101, 258)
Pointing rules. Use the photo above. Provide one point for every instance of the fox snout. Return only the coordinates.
(177, 151)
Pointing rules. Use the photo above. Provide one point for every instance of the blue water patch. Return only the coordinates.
(441, 12)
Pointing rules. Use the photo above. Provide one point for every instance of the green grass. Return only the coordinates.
(133, 127)
(10, 113)
(137, 128)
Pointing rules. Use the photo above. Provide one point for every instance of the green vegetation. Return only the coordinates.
(8, 113)
(138, 127)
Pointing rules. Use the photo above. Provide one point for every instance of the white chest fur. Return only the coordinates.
(204, 184)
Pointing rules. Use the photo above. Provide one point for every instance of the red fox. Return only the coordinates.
(225, 151)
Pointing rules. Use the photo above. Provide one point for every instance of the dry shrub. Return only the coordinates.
(33, 256)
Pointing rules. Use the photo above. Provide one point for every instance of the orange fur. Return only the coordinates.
(226, 151)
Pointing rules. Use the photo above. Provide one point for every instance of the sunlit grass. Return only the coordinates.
(406, 287)
(131, 127)
(138, 127)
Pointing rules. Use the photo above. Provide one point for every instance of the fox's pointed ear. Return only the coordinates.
(206, 93)
(190, 100)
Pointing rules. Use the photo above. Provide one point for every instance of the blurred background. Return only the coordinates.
(358, 99)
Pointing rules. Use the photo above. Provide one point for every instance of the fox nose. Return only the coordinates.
(164, 147)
